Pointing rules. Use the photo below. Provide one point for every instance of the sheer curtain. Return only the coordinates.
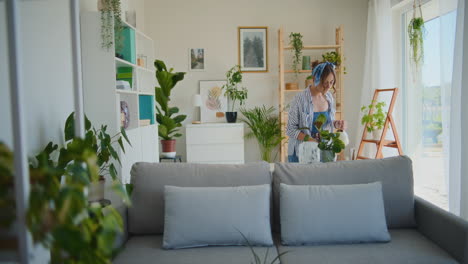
(457, 158)
(378, 64)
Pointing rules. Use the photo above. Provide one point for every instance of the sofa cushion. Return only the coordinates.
(203, 216)
(146, 215)
(395, 173)
(407, 246)
(147, 249)
(325, 214)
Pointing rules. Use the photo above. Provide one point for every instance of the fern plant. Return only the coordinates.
(265, 127)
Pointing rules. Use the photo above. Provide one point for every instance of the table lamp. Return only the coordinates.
(197, 102)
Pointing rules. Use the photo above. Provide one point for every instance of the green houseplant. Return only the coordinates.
(265, 127)
(374, 118)
(328, 142)
(233, 92)
(416, 35)
(169, 124)
(295, 40)
(111, 24)
(104, 145)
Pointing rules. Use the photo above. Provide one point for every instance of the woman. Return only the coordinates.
(308, 105)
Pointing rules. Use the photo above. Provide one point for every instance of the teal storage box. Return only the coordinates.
(128, 45)
(147, 107)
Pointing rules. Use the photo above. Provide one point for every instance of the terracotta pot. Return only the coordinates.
(292, 86)
(168, 148)
(96, 190)
(231, 117)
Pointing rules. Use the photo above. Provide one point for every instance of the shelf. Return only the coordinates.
(126, 91)
(145, 93)
(126, 24)
(337, 69)
(316, 47)
(123, 63)
(144, 69)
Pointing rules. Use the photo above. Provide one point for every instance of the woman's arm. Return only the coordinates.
(292, 128)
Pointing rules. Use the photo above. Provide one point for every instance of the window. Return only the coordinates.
(425, 97)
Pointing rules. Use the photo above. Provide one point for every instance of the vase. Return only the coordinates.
(306, 63)
(327, 156)
(96, 190)
(231, 117)
(168, 148)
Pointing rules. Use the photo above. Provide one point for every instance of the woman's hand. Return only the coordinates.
(340, 124)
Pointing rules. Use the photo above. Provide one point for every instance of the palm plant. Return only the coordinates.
(265, 127)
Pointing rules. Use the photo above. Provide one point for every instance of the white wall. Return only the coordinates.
(179, 25)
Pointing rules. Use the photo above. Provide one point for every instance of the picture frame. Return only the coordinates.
(253, 49)
(197, 59)
(214, 102)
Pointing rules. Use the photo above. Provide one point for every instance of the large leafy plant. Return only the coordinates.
(328, 140)
(232, 91)
(265, 127)
(374, 116)
(168, 124)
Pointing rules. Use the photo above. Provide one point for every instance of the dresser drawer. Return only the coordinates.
(219, 153)
(215, 135)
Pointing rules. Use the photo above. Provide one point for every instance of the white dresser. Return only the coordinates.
(215, 143)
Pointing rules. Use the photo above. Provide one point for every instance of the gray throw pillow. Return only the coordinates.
(203, 216)
(324, 214)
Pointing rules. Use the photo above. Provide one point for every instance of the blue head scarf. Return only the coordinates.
(318, 70)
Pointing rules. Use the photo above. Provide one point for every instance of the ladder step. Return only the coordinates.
(387, 143)
(362, 157)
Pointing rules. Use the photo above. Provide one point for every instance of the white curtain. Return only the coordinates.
(378, 64)
(457, 157)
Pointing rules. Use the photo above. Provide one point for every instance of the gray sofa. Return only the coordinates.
(420, 232)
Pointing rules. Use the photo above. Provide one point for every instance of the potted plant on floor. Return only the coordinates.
(168, 123)
(233, 92)
(295, 40)
(104, 145)
(329, 143)
(265, 127)
(374, 118)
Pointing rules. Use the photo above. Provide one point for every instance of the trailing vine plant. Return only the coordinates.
(111, 24)
(416, 35)
(295, 40)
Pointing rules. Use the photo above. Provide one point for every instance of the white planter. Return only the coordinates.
(96, 191)
(169, 154)
(377, 133)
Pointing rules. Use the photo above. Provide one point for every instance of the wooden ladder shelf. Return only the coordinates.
(382, 142)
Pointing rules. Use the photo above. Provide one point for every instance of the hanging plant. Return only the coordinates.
(416, 35)
(111, 24)
(295, 40)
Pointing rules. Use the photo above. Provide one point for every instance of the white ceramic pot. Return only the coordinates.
(377, 133)
(169, 154)
(96, 190)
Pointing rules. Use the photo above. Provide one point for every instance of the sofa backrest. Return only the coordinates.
(146, 215)
(395, 173)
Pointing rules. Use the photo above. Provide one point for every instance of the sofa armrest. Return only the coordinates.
(445, 229)
(122, 238)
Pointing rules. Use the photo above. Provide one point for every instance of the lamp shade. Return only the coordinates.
(196, 100)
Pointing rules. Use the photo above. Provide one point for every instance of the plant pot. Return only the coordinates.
(327, 156)
(168, 148)
(377, 133)
(96, 190)
(231, 117)
(292, 86)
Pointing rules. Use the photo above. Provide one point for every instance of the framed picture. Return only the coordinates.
(214, 102)
(196, 59)
(253, 49)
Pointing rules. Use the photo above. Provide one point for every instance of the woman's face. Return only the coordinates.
(327, 83)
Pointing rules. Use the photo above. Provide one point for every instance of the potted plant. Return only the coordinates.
(295, 40)
(233, 92)
(111, 23)
(374, 118)
(168, 123)
(265, 127)
(416, 35)
(329, 143)
(103, 145)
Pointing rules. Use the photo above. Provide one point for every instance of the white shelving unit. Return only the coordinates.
(102, 98)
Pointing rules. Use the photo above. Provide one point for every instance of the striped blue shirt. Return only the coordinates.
(301, 114)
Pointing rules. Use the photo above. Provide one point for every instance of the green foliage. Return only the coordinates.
(328, 140)
(376, 119)
(265, 127)
(295, 40)
(257, 259)
(111, 24)
(168, 125)
(416, 38)
(7, 196)
(232, 92)
(332, 57)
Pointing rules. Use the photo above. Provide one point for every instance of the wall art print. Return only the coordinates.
(197, 59)
(253, 49)
(214, 102)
